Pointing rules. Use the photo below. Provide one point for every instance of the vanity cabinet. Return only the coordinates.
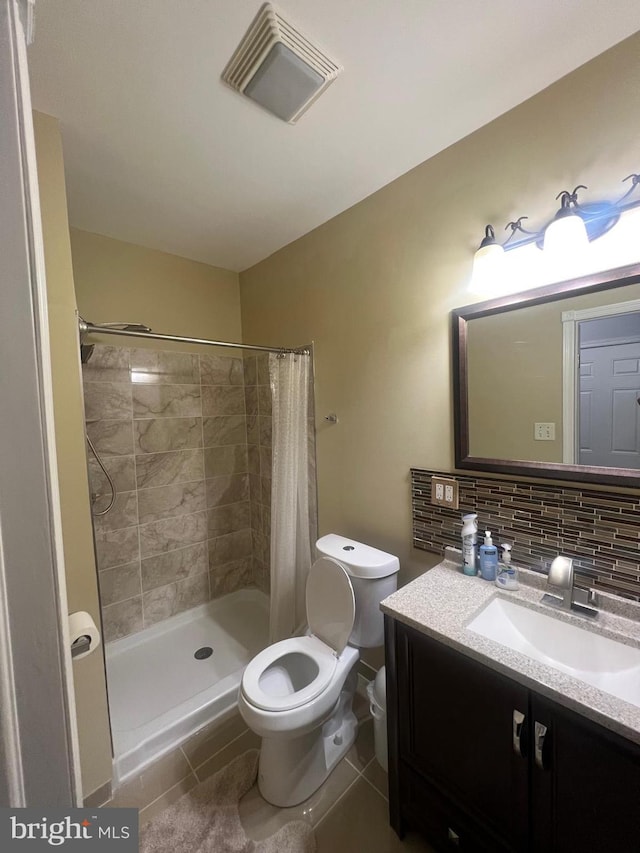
(478, 762)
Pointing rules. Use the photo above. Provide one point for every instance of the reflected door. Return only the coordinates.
(609, 412)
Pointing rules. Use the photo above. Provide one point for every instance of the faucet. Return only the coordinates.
(572, 598)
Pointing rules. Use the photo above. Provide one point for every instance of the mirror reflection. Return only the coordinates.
(552, 380)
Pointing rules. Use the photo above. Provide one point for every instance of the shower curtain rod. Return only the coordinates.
(90, 328)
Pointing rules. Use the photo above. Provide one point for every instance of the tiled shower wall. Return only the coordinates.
(600, 529)
(191, 519)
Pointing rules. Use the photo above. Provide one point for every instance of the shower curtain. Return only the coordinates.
(291, 528)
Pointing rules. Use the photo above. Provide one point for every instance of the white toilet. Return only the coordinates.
(297, 694)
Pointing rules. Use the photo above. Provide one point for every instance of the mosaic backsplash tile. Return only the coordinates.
(600, 530)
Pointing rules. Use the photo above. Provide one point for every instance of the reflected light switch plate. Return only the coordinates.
(544, 432)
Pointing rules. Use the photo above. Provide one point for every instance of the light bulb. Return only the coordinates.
(488, 270)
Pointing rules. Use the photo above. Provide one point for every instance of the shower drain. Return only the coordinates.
(203, 653)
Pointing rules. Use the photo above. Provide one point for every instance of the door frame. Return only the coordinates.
(570, 320)
(39, 752)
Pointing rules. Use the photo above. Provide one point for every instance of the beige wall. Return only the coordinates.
(82, 590)
(122, 282)
(515, 376)
(374, 286)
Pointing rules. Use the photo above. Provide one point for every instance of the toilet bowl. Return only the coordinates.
(297, 694)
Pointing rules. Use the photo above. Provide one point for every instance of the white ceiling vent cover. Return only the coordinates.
(278, 68)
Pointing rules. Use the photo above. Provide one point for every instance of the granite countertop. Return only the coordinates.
(442, 601)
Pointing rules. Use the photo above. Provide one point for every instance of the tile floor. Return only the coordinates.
(349, 812)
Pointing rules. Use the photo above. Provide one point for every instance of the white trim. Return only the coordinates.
(39, 752)
(570, 319)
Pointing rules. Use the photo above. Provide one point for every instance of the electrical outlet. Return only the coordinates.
(544, 432)
(444, 492)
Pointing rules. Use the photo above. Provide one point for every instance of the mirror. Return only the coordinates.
(547, 382)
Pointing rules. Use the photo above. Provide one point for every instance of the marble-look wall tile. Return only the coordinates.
(253, 431)
(111, 438)
(116, 547)
(230, 547)
(171, 533)
(264, 400)
(251, 400)
(262, 362)
(170, 501)
(265, 460)
(119, 584)
(164, 469)
(225, 429)
(265, 490)
(166, 401)
(107, 364)
(228, 519)
(256, 515)
(107, 400)
(121, 469)
(154, 367)
(250, 370)
(228, 459)
(122, 619)
(173, 598)
(231, 576)
(253, 459)
(265, 430)
(222, 400)
(123, 513)
(228, 489)
(174, 565)
(221, 370)
(158, 435)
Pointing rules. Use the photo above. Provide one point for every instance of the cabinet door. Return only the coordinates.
(585, 785)
(464, 728)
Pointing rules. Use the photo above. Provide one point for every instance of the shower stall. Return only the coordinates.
(180, 481)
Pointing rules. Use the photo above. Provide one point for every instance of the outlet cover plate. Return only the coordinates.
(444, 492)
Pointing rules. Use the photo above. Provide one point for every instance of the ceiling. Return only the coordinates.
(160, 152)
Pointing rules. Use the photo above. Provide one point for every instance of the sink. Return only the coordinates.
(604, 663)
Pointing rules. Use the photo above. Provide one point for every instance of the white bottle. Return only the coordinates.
(507, 577)
(469, 543)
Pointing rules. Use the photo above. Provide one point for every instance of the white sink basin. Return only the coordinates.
(607, 664)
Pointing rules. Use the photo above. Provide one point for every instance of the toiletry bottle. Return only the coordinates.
(507, 574)
(469, 543)
(488, 558)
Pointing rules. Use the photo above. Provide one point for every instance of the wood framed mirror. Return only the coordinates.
(547, 381)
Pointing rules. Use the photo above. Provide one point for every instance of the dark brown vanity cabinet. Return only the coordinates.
(478, 762)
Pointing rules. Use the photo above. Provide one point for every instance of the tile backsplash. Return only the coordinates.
(187, 441)
(600, 529)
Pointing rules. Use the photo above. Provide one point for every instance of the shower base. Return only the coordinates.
(160, 693)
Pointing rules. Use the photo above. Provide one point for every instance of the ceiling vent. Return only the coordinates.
(278, 68)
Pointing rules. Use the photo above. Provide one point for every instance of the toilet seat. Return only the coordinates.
(313, 649)
(269, 681)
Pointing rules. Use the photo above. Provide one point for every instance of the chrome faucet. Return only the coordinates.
(572, 598)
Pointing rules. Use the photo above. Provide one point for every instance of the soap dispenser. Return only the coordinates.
(507, 575)
(488, 558)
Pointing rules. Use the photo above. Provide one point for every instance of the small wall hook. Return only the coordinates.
(331, 418)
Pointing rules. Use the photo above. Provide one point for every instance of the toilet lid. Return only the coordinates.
(331, 606)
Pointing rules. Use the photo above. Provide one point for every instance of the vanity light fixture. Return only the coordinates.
(567, 235)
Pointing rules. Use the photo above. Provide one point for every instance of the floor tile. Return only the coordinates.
(248, 740)
(360, 821)
(260, 819)
(208, 741)
(363, 749)
(378, 777)
(169, 797)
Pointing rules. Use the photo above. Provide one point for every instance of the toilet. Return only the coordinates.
(297, 694)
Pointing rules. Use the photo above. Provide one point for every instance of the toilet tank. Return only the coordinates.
(373, 575)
